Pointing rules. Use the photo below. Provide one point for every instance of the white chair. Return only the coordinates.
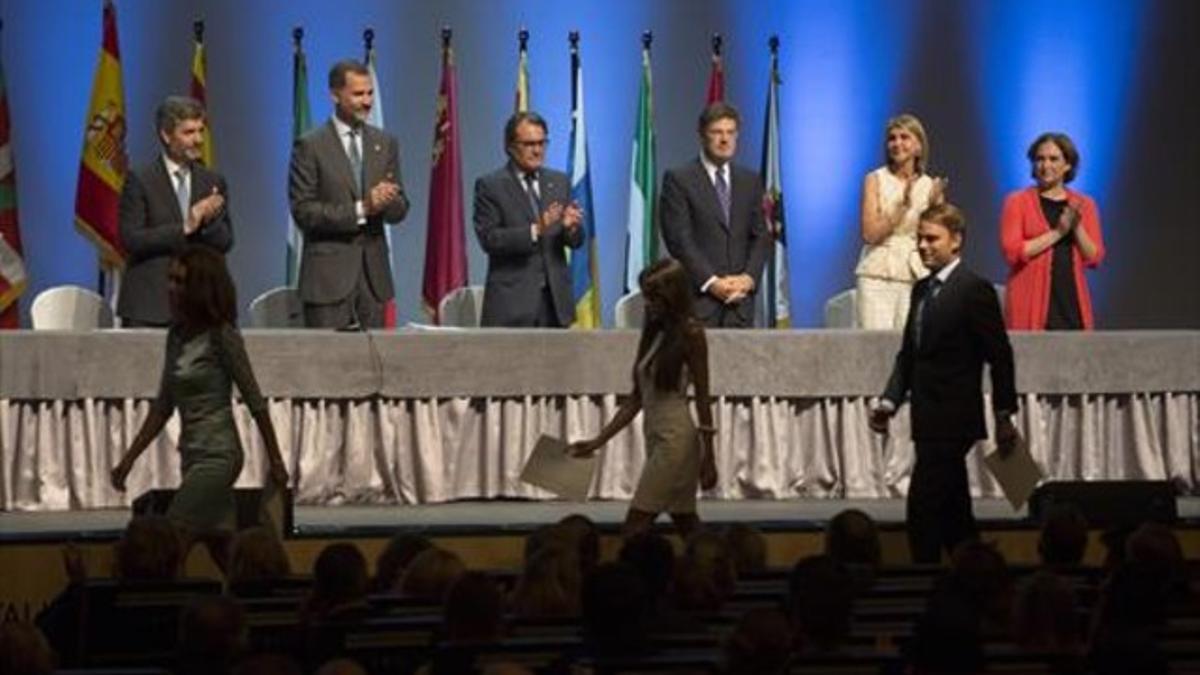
(70, 308)
(630, 310)
(462, 307)
(841, 311)
(278, 308)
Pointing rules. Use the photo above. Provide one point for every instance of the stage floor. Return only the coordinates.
(493, 517)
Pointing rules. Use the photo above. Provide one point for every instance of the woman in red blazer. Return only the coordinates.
(1048, 234)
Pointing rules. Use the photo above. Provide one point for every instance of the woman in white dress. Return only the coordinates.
(893, 197)
(672, 354)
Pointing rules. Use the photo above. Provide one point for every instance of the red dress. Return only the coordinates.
(1027, 295)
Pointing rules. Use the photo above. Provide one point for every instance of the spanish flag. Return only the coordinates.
(199, 91)
(104, 162)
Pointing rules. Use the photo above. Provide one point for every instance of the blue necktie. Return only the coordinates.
(723, 193)
(924, 311)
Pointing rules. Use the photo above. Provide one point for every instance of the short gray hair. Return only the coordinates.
(175, 109)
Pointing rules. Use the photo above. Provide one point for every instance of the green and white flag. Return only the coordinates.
(642, 230)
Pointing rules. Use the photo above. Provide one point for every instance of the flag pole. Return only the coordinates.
(198, 30)
(716, 44)
(368, 41)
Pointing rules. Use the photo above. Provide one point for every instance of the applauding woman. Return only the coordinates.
(672, 354)
(1049, 234)
(204, 358)
(893, 196)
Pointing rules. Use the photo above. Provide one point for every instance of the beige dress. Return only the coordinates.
(886, 271)
(671, 474)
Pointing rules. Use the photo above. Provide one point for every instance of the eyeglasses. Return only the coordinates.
(533, 144)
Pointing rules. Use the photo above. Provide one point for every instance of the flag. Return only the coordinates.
(585, 279)
(445, 240)
(301, 123)
(776, 300)
(521, 100)
(716, 76)
(199, 91)
(12, 266)
(642, 231)
(375, 119)
(104, 163)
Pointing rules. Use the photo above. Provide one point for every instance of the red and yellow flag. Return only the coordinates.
(199, 91)
(12, 265)
(104, 163)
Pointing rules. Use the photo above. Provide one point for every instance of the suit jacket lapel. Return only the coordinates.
(373, 157)
(341, 161)
(700, 175)
(516, 191)
(165, 185)
(942, 308)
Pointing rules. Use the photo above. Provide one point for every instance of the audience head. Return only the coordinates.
(180, 124)
(705, 576)
(1130, 610)
(760, 644)
(474, 610)
(616, 607)
(1044, 617)
(1114, 539)
(430, 575)
(748, 547)
(395, 558)
(200, 290)
(821, 598)
(24, 650)
(718, 126)
(1156, 546)
(212, 635)
(1064, 535)
(339, 578)
(584, 536)
(653, 558)
(946, 639)
(980, 572)
(549, 584)
(904, 139)
(257, 555)
(852, 538)
(544, 537)
(1053, 159)
(148, 550)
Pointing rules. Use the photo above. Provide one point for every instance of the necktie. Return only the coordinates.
(722, 186)
(535, 202)
(356, 163)
(925, 311)
(181, 192)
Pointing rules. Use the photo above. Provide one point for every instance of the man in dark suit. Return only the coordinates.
(344, 185)
(524, 219)
(165, 204)
(712, 221)
(954, 326)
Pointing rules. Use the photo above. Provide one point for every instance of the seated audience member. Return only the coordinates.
(1130, 611)
(24, 650)
(583, 533)
(549, 584)
(1045, 619)
(852, 539)
(430, 576)
(760, 644)
(981, 574)
(395, 558)
(653, 558)
(474, 610)
(616, 611)
(212, 636)
(1114, 539)
(748, 547)
(339, 590)
(1156, 546)
(256, 558)
(546, 535)
(268, 664)
(946, 638)
(820, 599)
(705, 576)
(1064, 536)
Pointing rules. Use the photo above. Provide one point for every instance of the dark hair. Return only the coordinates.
(1064, 535)
(616, 607)
(149, 549)
(719, 110)
(583, 534)
(337, 74)
(1064, 143)
(747, 547)
(510, 127)
(852, 538)
(667, 281)
(948, 216)
(209, 298)
(339, 576)
(395, 558)
(473, 609)
(652, 556)
(821, 600)
(175, 109)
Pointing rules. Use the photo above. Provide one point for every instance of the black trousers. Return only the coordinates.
(939, 500)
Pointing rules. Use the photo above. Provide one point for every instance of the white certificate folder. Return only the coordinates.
(551, 468)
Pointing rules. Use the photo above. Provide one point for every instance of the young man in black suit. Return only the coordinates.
(954, 326)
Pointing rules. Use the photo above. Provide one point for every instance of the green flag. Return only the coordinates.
(642, 235)
(301, 123)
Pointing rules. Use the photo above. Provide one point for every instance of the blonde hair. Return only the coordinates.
(912, 125)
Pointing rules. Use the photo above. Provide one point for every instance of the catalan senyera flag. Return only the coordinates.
(199, 91)
(445, 241)
(521, 98)
(642, 230)
(585, 276)
(104, 163)
(301, 123)
(716, 76)
(776, 307)
(12, 264)
(375, 118)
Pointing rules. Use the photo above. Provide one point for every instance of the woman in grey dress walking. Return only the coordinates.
(205, 357)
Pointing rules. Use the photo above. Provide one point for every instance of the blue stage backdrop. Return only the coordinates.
(985, 76)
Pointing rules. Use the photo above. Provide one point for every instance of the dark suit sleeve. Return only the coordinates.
(987, 327)
(675, 219)
(494, 237)
(760, 240)
(398, 208)
(218, 232)
(900, 381)
(140, 238)
(312, 215)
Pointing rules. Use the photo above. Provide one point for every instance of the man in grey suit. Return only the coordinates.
(344, 185)
(165, 204)
(524, 219)
(712, 221)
